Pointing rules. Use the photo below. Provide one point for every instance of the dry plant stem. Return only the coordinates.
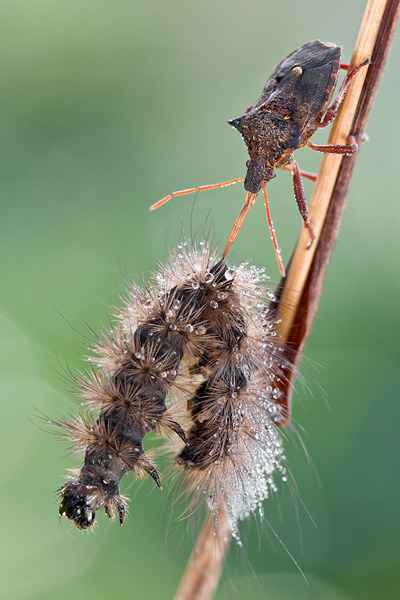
(204, 569)
(300, 292)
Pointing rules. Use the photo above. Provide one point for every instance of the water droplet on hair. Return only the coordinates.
(208, 278)
(229, 274)
(201, 330)
(213, 304)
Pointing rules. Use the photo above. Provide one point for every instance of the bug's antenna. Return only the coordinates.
(202, 188)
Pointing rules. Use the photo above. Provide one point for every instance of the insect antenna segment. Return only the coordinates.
(202, 188)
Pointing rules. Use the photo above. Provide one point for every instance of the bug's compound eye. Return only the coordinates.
(247, 163)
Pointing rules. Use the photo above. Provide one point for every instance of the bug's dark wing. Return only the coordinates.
(319, 62)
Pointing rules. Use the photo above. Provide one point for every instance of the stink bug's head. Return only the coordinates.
(257, 173)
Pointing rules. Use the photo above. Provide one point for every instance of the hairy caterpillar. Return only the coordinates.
(200, 333)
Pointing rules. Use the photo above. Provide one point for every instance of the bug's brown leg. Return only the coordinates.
(198, 189)
(248, 203)
(305, 174)
(301, 199)
(332, 110)
(273, 236)
(335, 149)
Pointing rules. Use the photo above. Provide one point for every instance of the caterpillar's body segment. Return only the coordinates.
(202, 335)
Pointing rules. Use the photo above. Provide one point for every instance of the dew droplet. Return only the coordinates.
(213, 304)
(201, 330)
(208, 278)
(195, 285)
(229, 274)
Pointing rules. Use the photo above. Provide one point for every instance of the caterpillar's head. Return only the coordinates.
(79, 502)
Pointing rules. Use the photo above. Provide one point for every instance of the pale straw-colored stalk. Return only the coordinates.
(300, 291)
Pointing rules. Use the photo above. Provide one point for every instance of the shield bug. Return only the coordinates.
(292, 106)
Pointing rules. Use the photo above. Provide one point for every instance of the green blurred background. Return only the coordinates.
(106, 106)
